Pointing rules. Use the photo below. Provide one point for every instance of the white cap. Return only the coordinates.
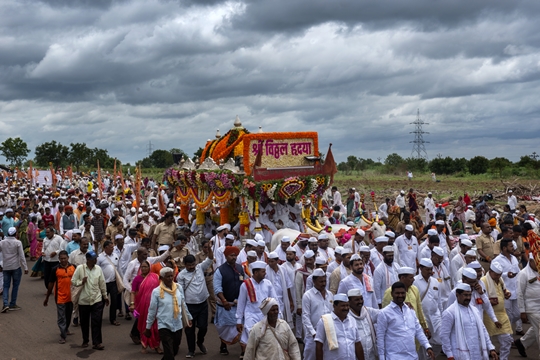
(354, 292)
(76, 231)
(426, 262)
(320, 260)
(430, 193)
(318, 272)
(251, 242)
(291, 249)
(273, 255)
(118, 236)
(252, 253)
(509, 191)
(405, 270)
(258, 265)
(261, 243)
(355, 257)
(471, 253)
(133, 210)
(223, 227)
(338, 250)
(323, 236)
(364, 248)
(463, 237)
(469, 273)
(466, 242)
(463, 286)
(286, 239)
(346, 251)
(229, 236)
(9, 210)
(469, 206)
(12, 231)
(402, 192)
(432, 232)
(361, 232)
(389, 234)
(439, 222)
(409, 227)
(341, 297)
(381, 239)
(309, 254)
(350, 223)
(163, 248)
(258, 237)
(388, 249)
(312, 239)
(98, 211)
(474, 265)
(438, 250)
(496, 268)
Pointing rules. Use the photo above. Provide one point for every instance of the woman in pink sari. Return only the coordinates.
(32, 238)
(141, 291)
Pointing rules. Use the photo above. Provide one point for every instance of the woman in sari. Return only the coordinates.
(413, 205)
(37, 269)
(32, 238)
(141, 291)
(393, 214)
(21, 232)
(460, 208)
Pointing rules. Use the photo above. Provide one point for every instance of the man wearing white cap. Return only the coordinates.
(377, 255)
(336, 196)
(220, 253)
(424, 250)
(365, 254)
(529, 305)
(250, 245)
(252, 292)
(441, 274)
(251, 258)
(512, 201)
(290, 267)
(454, 252)
(479, 298)
(398, 327)
(283, 286)
(324, 250)
(407, 247)
(219, 239)
(341, 272)
(470, 256)
(385, 274)
(443, 231)
(282, 249)
(429, 206)
(366, 318)
(316, 302)
(358, 280)
(271, 337)
(497, 294)
(338, 259)
(300, 280)
(356, 241)
(464, 335)
(431, 304)
(12, 254)
(400, 201)
(337, 336)
(459, 260)
(510, 267)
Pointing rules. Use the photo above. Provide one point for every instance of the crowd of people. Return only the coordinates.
(373, 296)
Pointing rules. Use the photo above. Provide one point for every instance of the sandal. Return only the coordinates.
(159, 350)
(120, 314)
(116, 323)
(128, 317)
(84, 345)
(98, 347)
(62, 341)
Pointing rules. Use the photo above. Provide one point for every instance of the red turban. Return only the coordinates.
(68, 207)
(231, 250)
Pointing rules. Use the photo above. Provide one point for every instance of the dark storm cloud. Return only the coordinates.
(117, 74)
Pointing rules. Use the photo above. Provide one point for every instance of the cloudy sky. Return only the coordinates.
(118, 74)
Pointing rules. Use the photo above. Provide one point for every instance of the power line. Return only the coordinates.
(419, 149)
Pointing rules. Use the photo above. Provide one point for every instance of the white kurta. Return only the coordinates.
(282, 283)
(313, 307)
(376, 257)
(347, 334)
(383, 277)
(366, 323)
(352, 282)
(441, 274)
(431, 305)
(408, 250)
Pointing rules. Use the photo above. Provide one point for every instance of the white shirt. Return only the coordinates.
(247, 312)
(383, 277)
(50, 246)
(347, 334)
(12, 253)
(107, 267)
(529, 292)
(133, 268)
(194, 283)
(400, 201)
(327, 254)
(352, 282)
(408, 250)
(397, 328)
(313, 307)
(512, 266)
(383, 210)
(512, 202)
(77, 257)
(376, 257)
(431, 305)
(364, 326)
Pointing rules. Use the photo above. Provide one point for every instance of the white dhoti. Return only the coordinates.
(309, 348)
(225, 322)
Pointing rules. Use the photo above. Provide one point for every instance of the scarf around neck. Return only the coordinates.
(164, 289)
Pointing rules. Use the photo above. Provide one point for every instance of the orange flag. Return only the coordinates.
(53, 177)
(138, 188)
(161, 204)
(29, 175)
(70, 172)
(99, 181)
(114, 171)
(120, 172)
(329, 166)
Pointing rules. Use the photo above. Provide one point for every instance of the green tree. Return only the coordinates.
(197, 154)
(461, 165)
(353, 163)
(105, 161)
(145, 163)
(478, 165)
(416, 164)
(161, 158)
(51, 152)
(79, 154)
(394, 160)
(15, 150)
(498, 164)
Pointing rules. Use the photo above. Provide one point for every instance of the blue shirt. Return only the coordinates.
(162, 310)
(72, 246)
(6, 224)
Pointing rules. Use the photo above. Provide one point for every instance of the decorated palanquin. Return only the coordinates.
(239, 170)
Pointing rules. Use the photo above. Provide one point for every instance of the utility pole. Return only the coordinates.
(150, 148)
(419, 149)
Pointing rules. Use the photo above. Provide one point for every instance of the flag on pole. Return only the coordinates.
(99, 181)
(29, 176)
(120, 172)
(329, 166)
(53, 176)
(138, 188)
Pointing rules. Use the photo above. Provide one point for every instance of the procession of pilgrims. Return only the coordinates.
(331, 276)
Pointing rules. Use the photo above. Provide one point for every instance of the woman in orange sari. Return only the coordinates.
(393, 214)
(141, 291)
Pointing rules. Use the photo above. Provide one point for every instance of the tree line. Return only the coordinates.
(528, 165)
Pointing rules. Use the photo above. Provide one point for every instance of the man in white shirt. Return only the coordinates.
(283, 286)
(458, 261)
(429, 206)
(108, 262)
(377, 255)
(398, 327)
(193, 281)
(324, 251)
(52, 244)
(400, 201)
(512, 201)
(12, 254)
(346, 342)
(385, 274)
(366, 319)
(407, 247)
(464, 335)
(529, 305)
(316, 302)
(358, 280)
